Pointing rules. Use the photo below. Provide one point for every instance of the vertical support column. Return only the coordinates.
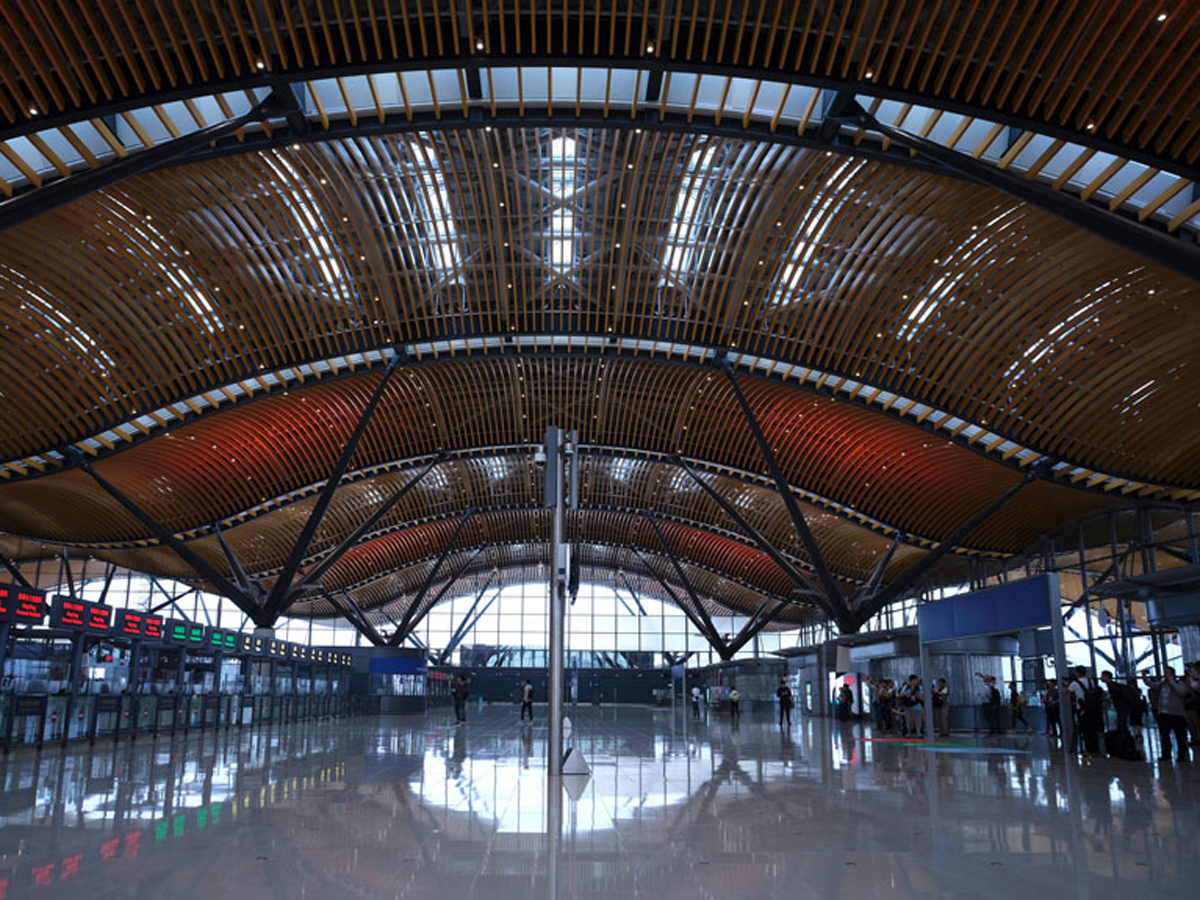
(1085, 599)
(5, 629)
(558, 493)
(73, 692)
(926, 691)
(1066, 711)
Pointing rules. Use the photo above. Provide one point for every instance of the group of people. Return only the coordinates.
(901, 710)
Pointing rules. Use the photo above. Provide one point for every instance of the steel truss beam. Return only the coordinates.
(406, 622)
(32, 203)
(246, 603)
(1180, 254)
(760, 620)
(832, 603)
(282, 590)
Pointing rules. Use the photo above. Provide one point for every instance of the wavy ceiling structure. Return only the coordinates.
(835, 294)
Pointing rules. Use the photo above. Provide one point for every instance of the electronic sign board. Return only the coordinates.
(219, 639)
(23, 605)
(81, 615)
(196, 634)
(131, 623)
(249, 643)
(176, 631)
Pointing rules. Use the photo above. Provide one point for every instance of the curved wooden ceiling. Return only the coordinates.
(915, 345)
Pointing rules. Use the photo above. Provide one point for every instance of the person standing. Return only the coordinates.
(1087, 705)
(990, 701)
(527, 700)
(1119, 698)
(1016, 707)
(1167, 698)
(941, 708)
(1191, 703)
(914, 707)
(1051, 701)
(735, 700)
(784, 693)
(845, 702)
(461, 693)
(695, 701)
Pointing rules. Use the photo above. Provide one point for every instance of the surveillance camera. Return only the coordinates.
(539, 457)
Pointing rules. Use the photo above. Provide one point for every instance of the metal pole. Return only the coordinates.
(556, 449)
(1066, 711)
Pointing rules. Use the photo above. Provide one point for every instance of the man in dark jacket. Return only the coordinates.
(1120, 698)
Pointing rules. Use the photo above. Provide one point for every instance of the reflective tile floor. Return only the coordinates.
(414, 807)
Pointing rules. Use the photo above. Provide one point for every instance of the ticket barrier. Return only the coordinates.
(106, 717)
(25, 719)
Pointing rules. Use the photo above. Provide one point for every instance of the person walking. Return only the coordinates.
(735, 700)
(784, 693)
(527, 700)
(1016, 707)
(695, 702)
(1167, 697)
(941, 708)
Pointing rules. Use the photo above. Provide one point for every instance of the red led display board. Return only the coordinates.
(80, 615)
(23, 605)
(138, 624)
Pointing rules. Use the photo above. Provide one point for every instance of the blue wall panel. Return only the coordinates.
(1000, 610)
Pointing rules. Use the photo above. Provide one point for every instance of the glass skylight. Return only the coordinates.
(436, 217)
(813, 226)
(691, 202)
(562, 184)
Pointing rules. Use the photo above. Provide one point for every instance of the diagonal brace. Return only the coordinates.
(199, 564)
(464, 626)
(687, 610)
(632, 593)
(281, 590)
(313, 574)
(917, 571)
(760, 620)
(353, 614)
(798, 578)
(404, 626)
(834, 605)
(710, 629)
(417, 611)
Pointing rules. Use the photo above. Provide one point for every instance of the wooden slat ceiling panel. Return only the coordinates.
(180, 281)
(1119, 71)
(225, 464)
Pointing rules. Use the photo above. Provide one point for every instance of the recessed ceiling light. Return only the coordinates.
(259, 64)
(479, 43)
(1162, 17)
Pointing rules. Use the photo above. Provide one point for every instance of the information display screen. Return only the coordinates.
(248, 643)
(138, 624)
(80, 615)
(196, 634)
(18, 604)
(176, 631)
(219, 639)
(318, 655)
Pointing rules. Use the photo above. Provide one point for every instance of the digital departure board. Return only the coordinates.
(80, 615)
(317, 654)
(250, 644)
(23, 605)
(222, 640)
(138, 624)
(176, 631)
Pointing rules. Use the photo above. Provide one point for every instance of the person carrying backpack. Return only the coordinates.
(990, 701)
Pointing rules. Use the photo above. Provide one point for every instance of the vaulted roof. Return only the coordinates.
(943, 253)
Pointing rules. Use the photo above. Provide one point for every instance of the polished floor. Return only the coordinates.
(415, 807)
